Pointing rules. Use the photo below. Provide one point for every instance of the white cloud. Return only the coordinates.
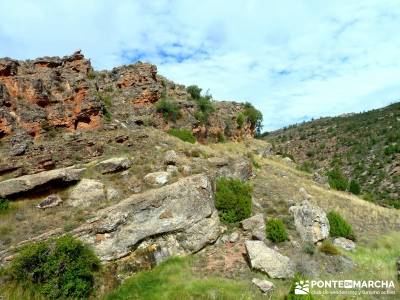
(292, 59)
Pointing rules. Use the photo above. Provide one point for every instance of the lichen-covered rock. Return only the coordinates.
(264, 285)
(170, 157)
(344, 243)
(50, 201)
(310, 221)
(157, 178)
(185, 208)
(113, 165)
(86, 193)
(238, 169)
(269, 261)
(255, 225)
(29, 182)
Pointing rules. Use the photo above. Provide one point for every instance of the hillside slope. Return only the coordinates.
(364, 146)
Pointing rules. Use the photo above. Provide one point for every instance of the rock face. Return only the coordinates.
(157, 178)
(46, 92)
(310, 221)
(29, 182)
(113, 165)
(86, 193)
(255, 225)
(45, 99)
(185, 208)
(344, 243)
(268, 260)
(264, 285)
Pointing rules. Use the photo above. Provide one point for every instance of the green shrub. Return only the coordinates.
(4, 205)
(240, 120)
(291, 295)
(194, 91)
(309, 248)
(275, 231)
(205, 107)
(58, 268)
(354, 187)
(337, 180)
(168, 109)
(328, 248)
(254, 116)
(339, 227)
(183, 134)
(233, 199)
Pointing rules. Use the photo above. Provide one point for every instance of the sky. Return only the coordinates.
(293, 60)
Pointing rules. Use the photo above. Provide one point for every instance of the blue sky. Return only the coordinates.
(293, 60)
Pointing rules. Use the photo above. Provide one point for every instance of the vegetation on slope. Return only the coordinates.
(364, 146)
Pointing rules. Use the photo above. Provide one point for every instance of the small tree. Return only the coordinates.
(4, 205)
(194, 91)
(254, 116)
(240, 120)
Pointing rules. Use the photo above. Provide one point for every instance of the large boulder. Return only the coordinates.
(44, 179)
(113, 165)
(86, 193)
(184, 211)
(310, 221)
(269, 261)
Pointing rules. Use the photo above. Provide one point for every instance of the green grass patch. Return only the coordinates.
(183, 134)
(4, 205)
(174, 279)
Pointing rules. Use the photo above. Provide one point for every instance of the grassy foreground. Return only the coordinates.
(174, 279)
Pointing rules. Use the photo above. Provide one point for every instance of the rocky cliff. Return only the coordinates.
(47, 105)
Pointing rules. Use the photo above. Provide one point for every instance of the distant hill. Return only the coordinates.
(365, 147)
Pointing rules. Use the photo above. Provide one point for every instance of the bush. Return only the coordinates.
(183, 134)
(205, 107)
(254, 116)
(169, 110)
(4, 205)
(59, 268)
(337, 180)
(309, 248)
(339, 226)
(328, 248)
(275, 231)
(233, 199)
(354, 187)
(240, 120)
(194, 91)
